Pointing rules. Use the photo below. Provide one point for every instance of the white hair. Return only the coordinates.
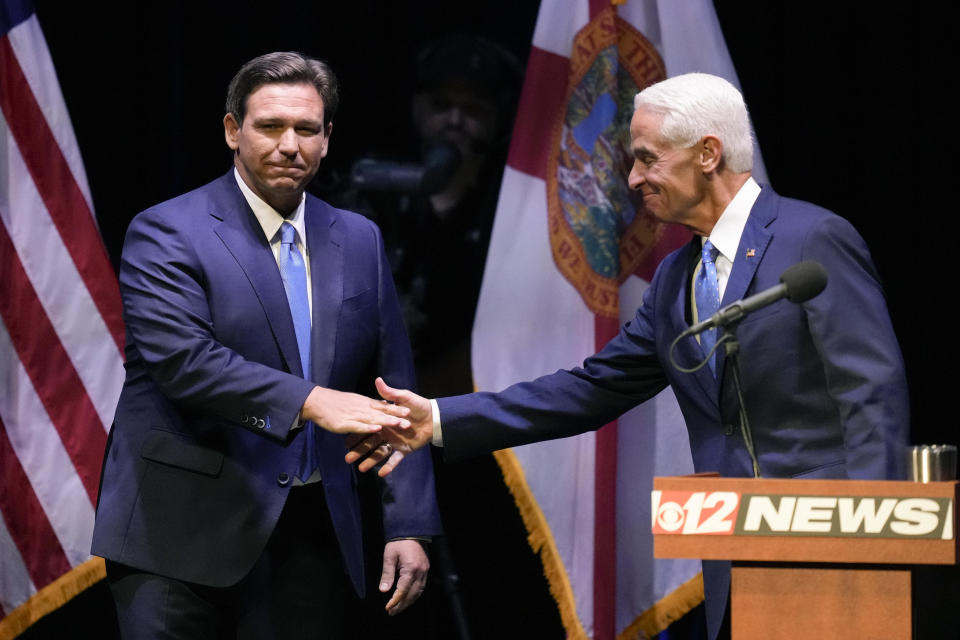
(694, 105)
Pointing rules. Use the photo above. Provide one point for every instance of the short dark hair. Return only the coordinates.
(482, 64)
(283, 67)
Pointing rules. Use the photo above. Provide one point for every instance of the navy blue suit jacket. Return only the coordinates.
(823, 382)
(201, 455)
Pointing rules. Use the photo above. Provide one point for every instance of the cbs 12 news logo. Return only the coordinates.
(733, 513)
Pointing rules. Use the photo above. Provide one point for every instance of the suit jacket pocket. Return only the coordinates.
(167, 448)
(831, 470)
(359, 301)
(761, 315)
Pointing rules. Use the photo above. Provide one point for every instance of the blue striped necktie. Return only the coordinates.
(293, 271)
(707, 295)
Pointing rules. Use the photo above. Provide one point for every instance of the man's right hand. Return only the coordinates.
(342, 412)
(392, 444)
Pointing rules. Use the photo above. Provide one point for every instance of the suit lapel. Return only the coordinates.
(325, 243)
(239, 230)
(750, 252)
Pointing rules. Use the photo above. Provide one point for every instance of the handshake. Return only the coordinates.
(386, 430)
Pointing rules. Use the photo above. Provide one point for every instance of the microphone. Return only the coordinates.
(440, 162)
(798, 283)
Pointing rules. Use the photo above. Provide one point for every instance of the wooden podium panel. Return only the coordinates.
(811, 558)
(778, 603)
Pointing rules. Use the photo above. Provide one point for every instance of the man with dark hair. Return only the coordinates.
(256, 317)
(284, 68)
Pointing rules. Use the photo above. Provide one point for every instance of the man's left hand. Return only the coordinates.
(405, 562)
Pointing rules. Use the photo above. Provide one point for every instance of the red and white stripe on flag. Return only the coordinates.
(61, 337)
(569, 259)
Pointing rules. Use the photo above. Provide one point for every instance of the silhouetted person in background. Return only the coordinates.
(437, 231)
(436, 215)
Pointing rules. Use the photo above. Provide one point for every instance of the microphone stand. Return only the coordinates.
(732, 351)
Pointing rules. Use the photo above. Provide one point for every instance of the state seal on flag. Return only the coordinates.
(599, 230)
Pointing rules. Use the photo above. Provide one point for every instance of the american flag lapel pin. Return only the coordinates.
(751, 253)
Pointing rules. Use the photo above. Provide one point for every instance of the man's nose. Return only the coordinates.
(636, 177)
(454, 115)
(288, 144)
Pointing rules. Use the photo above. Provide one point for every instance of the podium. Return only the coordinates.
(810, 558)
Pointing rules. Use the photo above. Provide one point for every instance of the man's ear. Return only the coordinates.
(711, 152)
(231, 131)
(326, 139)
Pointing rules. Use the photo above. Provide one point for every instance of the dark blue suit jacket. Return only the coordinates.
(201, 454)
(823, 382)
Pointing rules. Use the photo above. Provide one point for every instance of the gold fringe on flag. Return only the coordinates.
(541, 541)
(651, 622)
(52, 597)
(666, 611)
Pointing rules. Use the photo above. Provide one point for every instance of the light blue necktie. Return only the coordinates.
(294, 274)
(707, 295)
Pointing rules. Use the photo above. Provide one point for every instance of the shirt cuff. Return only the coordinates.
(420, 539)
(437, 434)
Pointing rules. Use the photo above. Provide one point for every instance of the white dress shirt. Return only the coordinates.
(270, 221)
(725, 236)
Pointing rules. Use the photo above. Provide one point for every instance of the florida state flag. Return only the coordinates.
(570, 256)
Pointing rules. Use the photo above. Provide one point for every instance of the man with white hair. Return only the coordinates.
(822, 381)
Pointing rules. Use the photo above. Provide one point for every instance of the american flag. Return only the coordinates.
(61, 337)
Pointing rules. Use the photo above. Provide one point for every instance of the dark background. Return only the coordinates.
(849, 102)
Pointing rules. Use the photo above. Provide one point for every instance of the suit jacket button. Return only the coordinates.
(728, 429)
(283, 479)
